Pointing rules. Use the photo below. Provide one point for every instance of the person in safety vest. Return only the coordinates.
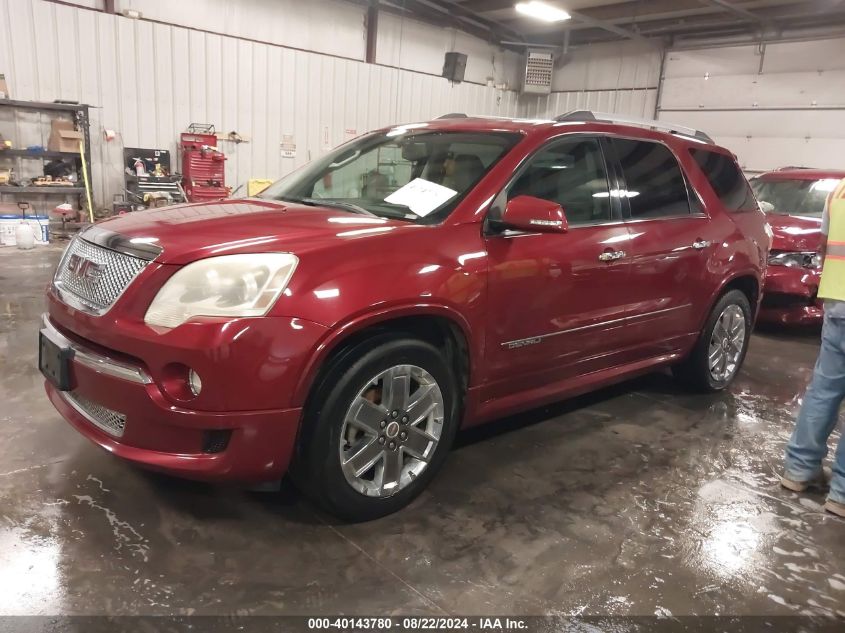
(820, 411)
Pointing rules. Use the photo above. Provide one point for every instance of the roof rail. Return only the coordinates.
(672, 128)
(785, 167)
(453, 115)
(577, 115)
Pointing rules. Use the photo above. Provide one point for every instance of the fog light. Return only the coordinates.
(215, 441)
(194, 382)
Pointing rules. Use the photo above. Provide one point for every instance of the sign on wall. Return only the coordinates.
(288, 146)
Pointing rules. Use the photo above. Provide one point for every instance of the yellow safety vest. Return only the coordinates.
(832, 285)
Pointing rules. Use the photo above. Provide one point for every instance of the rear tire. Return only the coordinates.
(720, 351)
(356, 421)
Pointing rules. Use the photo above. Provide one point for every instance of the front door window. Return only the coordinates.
(571, 173)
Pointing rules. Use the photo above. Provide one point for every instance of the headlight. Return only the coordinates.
(229, 285)
(796, 260)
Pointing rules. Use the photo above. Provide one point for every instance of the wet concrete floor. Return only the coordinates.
(640, 499)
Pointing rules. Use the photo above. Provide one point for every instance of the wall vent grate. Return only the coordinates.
(538, 73)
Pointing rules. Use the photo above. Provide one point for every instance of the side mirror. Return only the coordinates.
(766, 207)
(527, 213)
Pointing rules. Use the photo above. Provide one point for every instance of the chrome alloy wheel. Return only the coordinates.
(391, 430)
(726, 343)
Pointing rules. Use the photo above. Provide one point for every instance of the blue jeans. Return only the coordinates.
(818, 416)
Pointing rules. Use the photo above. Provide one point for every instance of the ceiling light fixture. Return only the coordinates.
(542, 11)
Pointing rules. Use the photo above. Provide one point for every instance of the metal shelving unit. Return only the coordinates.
(79, 112)
(23, 153)
(42, 189)
(43, 105)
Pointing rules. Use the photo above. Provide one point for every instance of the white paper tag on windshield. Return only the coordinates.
(421, 196)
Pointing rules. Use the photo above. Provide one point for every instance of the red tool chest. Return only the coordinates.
(203, 165)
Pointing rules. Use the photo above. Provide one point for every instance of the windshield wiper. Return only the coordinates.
(328, 202)
(404, 208)
(392, 210)
(325, 202)
(400, 211)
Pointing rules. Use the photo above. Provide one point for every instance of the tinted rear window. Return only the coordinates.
(726, 179)
(655, 184)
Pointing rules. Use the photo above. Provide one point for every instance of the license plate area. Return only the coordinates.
(54, 361)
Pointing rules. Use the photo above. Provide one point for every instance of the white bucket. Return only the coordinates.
(40, 228)
(24, 236)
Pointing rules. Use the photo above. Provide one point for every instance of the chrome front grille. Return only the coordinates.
(92, 277)
(112, 422)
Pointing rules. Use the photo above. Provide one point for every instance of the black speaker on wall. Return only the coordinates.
(454, 67)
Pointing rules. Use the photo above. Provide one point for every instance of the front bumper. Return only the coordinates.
(163, 434)
(790, 297)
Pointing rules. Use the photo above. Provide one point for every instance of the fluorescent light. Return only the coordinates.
(542, 11)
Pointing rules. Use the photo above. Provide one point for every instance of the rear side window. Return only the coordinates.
(656, 187)
(727, 180)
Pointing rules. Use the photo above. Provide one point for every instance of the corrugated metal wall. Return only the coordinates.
(148, 81)
(335, 27)
(413, 45)
(618, 65)
(633, 102)
(617, 77)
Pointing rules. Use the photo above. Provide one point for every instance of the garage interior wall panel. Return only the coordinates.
(637, 103)
(414, 45)
(326, 26)
(148, 81)
(611, 66)
(782, 105)
(620, 78)
(334, 27)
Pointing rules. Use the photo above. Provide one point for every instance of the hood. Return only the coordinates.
(193, 231)
(795, 232)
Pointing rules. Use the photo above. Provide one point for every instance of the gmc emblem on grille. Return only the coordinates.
(85, 268)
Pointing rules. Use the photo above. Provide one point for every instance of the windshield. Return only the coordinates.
(417, 176)
(795, 197)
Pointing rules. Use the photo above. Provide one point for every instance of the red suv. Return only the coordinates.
(415, 280)
(794, 199)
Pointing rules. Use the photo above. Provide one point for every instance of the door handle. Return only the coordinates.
(610, 256)
(700, 244)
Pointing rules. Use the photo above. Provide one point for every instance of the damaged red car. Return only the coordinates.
(793, 199)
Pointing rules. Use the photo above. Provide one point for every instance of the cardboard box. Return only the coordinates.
(63, 137)
(4, 89)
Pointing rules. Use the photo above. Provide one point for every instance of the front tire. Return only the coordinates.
(384, 417)
(720, 351)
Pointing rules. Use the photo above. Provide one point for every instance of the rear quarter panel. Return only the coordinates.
(745, 243)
